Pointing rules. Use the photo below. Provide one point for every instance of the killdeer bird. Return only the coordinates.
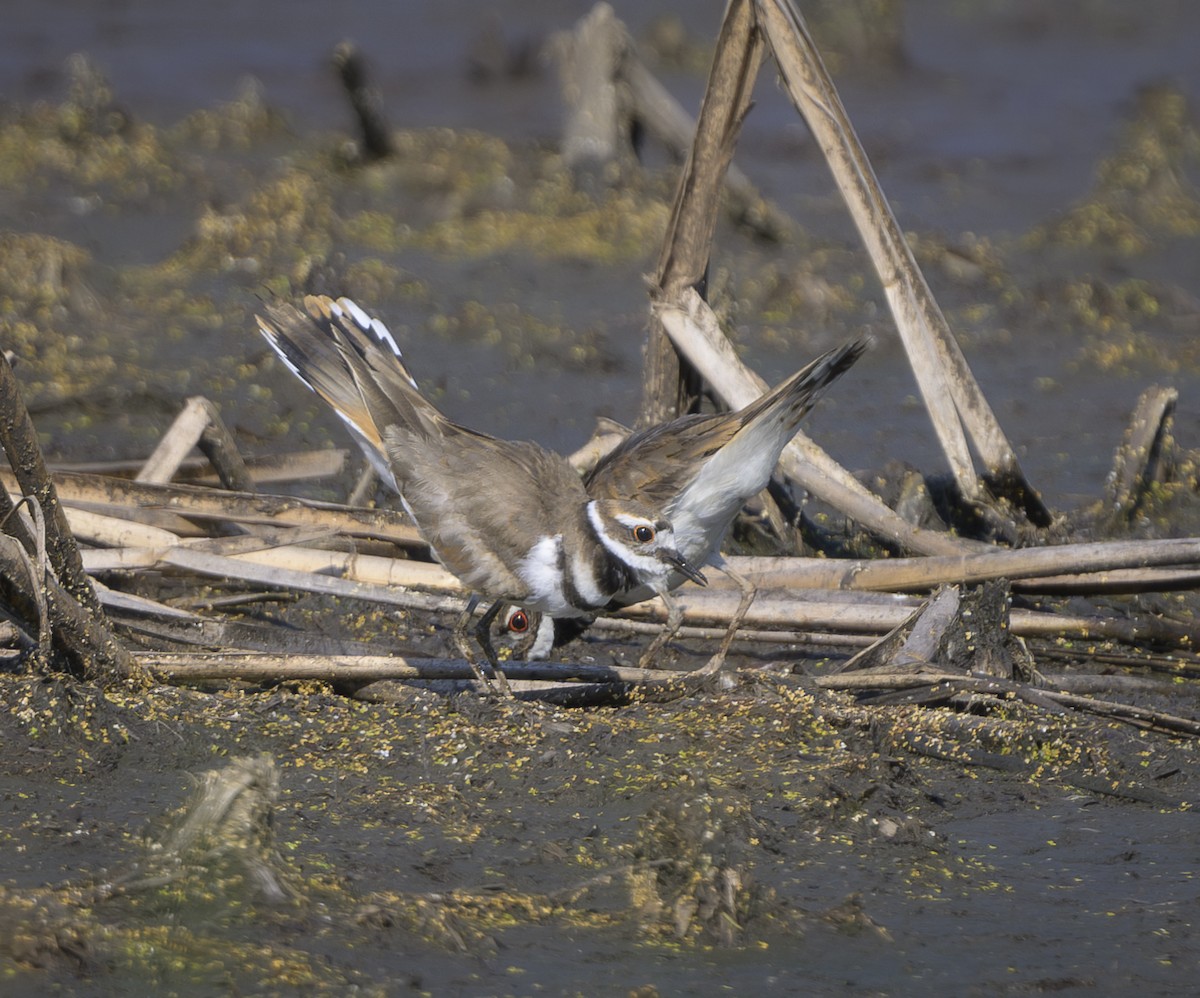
(700, 470)
(511, 519)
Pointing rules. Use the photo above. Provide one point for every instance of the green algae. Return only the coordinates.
(1144, 190)
(663, 820)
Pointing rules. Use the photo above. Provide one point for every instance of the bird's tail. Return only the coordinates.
(353, 362)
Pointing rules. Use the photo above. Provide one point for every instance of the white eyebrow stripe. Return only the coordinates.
(627, 520)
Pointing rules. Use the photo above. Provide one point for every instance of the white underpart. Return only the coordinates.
(652, 570)
(736, 473)
(540, 572)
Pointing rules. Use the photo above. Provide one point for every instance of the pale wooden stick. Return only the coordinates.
(663, 116)
(775, 608)
(1136, 463)
(361, 567)
(947, 385)
(199, 424)
(588, 59)
(287, 467)
(618, 626)
(114, 599)
(603, 441)
(687, 244)
(693, 328)
(365, 487)
(259, 667)
(176, 443)
(198, 502)
(309, 569)
(925, 573)
(217, 444)
(291, 467)
(112, 531)
(1126, 580)
(288, 568)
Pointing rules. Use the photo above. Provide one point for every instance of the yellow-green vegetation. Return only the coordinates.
(783, 293)
(89, 142)
(239, 124)
(527, 340)
(43, 297)
(284, 227)
(1144, 189)
(1117, 320)
(471, 204)
(679, 824)
(299, 221)
(560, 223)
(448, 172)
(41, 147)
(865, 34)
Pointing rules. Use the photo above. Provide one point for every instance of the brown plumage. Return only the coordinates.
(701, 469)
(510, 518)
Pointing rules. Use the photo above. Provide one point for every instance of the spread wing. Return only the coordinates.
(656, 464)
(700, 470)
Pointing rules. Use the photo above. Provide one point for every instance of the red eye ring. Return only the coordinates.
(518, 621)
(643, 534)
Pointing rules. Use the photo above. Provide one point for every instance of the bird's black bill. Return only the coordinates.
(677, 561)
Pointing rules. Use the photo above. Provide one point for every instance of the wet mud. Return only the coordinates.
(761, 837)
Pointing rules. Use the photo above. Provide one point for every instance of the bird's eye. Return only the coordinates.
(518, 622)
(643, 534)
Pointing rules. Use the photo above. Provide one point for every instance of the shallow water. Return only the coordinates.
(995, 123)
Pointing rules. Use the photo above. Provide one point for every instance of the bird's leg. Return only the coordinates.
(483, 634)
(460, 638)
(467, 652)
(749, 591)
(670, 629)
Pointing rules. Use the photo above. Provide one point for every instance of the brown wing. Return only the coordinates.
(656, 464)
(482, 502)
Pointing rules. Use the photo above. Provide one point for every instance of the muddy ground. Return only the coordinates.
(758, 838)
